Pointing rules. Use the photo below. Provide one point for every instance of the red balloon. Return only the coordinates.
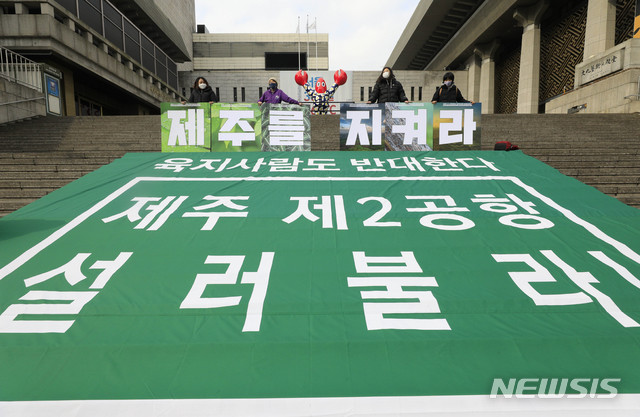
(301, 77)
(340, 77)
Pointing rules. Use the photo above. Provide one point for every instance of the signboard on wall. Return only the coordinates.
(52, 90)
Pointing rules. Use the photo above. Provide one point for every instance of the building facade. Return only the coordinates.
(106, 57)
(239, 65)
(530, 56)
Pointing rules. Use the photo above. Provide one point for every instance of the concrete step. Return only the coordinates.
(38, 156)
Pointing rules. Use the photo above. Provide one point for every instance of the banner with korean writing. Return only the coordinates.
(456, 126)
(236, 127)
(410, 126)
(362, 127)
(318, 283)
(285, 128)
(186, 127)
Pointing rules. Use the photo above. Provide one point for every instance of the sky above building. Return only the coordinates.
(362, 33)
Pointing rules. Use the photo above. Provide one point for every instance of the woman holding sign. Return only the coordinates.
(202, 92)
(387, 89)
(274, 95)
(448, 92)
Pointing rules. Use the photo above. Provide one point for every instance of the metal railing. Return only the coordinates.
(104, 18)
(20, 69)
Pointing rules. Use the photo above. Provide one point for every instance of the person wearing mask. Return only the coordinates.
(448, 92)
(387, 89)
(274, 95)
(202, 92)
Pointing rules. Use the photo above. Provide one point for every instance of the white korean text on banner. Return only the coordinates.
(410, 126)
(285, 127)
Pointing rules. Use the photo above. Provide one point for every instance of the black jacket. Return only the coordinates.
(389, 90)
(449, 95)
(203, 96)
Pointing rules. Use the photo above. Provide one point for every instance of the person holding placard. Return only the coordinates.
(202, 92)
(387, 89)
(274, 95)
(448, 92)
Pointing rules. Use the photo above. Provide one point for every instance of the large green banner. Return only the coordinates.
(310, 283)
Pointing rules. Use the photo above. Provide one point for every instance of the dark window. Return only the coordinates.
(284, 60)
(91, 14)
(69, 5)
(218, 92)
(112, 14)
(242, 93)
(260, 91)
(413, 89)
(161, 64)
(113, 34)
(148, 61)
(113, 25)
(419, 93)
(361, 93)
(370, 88)
(235, 94)
(132, 41)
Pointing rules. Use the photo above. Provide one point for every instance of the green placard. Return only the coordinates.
(409, 126)
(456, 126)
(186, 127)
(285, 127)
(315, 279)
(236, 127)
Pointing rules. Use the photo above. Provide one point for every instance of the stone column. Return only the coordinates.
(473, 89)
(487, 94)
(600, 34)
(46, 8)
(529, 79)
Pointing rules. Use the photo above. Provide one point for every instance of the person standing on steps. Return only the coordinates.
(387, 89)
(202, 92)
(448, 92)
(274, 95)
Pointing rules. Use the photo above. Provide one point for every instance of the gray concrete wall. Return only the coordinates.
(183, 16)
(617, 93)
(11, 92)
(252, 80)
(25, 32)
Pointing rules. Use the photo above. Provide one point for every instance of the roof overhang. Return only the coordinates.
(442, 32)
(146, 15)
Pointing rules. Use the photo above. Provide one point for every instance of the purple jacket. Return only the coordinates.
(275, 97)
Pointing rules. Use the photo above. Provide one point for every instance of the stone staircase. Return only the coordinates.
(601, 150)
(42, 155)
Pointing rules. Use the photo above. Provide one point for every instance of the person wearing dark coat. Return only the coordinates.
(448, 92)
(387, 89)
(202, 92)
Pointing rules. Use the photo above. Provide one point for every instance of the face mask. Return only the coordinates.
(448, 83)
(202, 86)
(273, 86)
(386, 74)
